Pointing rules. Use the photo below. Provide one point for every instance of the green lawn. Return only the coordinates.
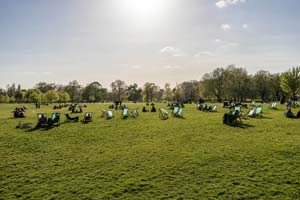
(146, 158)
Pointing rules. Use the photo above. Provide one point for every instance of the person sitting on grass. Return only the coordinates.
(19, 113)
(153, 109)
(298, 115)
(289, 113)
(144, 109)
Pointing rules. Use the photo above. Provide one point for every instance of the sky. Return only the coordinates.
(138, 41)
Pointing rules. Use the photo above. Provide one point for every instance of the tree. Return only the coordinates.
(51, 96)
(11, 90)
(214, 83)
(93, 92)
(134, 93)
(63, 97)
(4, 98)
(276, 90)
(167, 92)
(237, 83)
(118, 88)
(45, 87)
(35, 97)
(290, 82)
(150, 90)
(74, 90)
(262, 84)
(189, 91)
(28, 93)
(19, 94)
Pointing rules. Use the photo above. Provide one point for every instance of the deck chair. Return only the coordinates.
(87, 117)
(258, 111)
(199, 106)
(177, 112)
(134, 113)
(251, 113)
(73, 119)
(125, 113)
(274, 106)
(213, 108)
(54, 120)
(255, 112)
(233, 117)
(42, 120)
(108, 114)
(163, 114)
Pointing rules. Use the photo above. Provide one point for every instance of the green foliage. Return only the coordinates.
(262, 84)
(134, 93)
(146, 158)
(74, 90)
(51, 96)
(4, 98)
(35, 97)
(118, 88)
(150, 91)
(93, 92)
(290, 82)
(12, 99)
(63, 97)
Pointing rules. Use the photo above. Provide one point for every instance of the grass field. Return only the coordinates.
(146, 158)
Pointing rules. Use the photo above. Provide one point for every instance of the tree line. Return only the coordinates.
(230, 83)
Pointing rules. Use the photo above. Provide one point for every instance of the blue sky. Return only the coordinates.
(141, 40)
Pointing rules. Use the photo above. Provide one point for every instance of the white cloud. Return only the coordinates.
(30, 73)
(245, 26)
(204, 53)
(173, 51)
(171, 67)
(218, 40)
(225, 3)
(221, 4)
(47, 73)
(136, 67)
(225, 27)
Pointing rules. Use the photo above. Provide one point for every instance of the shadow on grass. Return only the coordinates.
(242, 126)
(40, 128)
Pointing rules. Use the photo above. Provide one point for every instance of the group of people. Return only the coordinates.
(75, 108)
(289, 114)
(19, 112)
(173, 105)
(152, 109)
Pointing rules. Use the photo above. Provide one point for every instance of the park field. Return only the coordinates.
(147, 158)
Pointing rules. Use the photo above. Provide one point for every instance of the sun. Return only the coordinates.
(144, 9)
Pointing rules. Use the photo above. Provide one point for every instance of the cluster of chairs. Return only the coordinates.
(234, 116)
(108, 114)
(176, 104)
(44, 122)
(19, 112)
(232, 104)
(255, 112)
(176, 112)
(205, 108)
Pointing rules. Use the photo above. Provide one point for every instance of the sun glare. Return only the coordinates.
(144, 9)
